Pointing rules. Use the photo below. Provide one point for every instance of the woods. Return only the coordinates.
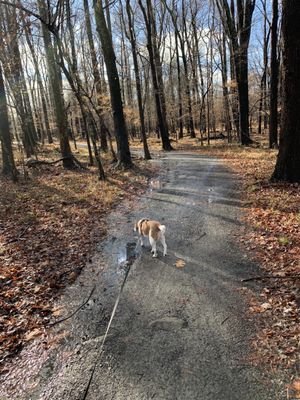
(101, 103)
(196, 68)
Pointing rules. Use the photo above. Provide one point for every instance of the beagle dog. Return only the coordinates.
(154, 230)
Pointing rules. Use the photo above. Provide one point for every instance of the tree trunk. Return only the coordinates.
(158, 70)
(288, 161)
(14, 72)
(273, 136)
(28, 33)
(57, 95)
(180, 110)
(8, 162)
(161, 118)
(263, 115)
(238, 29)
(179, 37)
(223, 55)
(92, 126)
(244, 99)
(182, 41)
(96, 74)
(132, 39)
(234, 96)
(124, 156)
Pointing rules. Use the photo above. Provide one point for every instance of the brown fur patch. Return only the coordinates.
(147, 228)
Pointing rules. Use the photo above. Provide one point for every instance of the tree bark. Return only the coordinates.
(180, 108)
(8, 163)
(182, 40)
(96, 74)
(56, 90)
(262, 111)
(124, 156)
(238, 33)
(132, 39)
(273, 129)
(288, 161)
(28, 33)
(14, 72)
(178, 36)
(223, 56)
(161, 117)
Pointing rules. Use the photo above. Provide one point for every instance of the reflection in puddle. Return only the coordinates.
(127, 255)
(156, 183)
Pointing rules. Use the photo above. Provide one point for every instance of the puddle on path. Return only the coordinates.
(127, 255)
(156, 183)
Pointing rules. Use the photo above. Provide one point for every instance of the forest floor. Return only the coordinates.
(272, 237)
(50, 224)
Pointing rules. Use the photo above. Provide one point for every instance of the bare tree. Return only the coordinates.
(124, 156)
(56, 83)
(8, 162)
(238, 31)
(28, 37)
(132, 38)
(273, 135)
(14, 72)
(155, 65)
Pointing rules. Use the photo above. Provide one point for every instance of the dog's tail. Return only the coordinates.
(162, 228)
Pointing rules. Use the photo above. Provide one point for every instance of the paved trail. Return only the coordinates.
(179, 333)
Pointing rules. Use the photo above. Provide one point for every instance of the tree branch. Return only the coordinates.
(27, 11)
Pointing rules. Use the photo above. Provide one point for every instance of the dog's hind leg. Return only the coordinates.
(163, 242)
(153, 246)
(141, 240)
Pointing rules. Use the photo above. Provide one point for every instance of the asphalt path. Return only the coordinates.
(181, 329)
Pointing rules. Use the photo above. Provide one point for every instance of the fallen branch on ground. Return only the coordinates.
(20, 236)
(35, 163)
(31, 163)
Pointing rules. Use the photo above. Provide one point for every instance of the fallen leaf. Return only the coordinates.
(265, 306)
(57, 311)
(180, 263)
(36, 332)
(294, 389)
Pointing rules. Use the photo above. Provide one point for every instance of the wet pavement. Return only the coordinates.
(180, 330)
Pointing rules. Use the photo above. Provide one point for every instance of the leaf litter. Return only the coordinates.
(272, 237)
(49, 227)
